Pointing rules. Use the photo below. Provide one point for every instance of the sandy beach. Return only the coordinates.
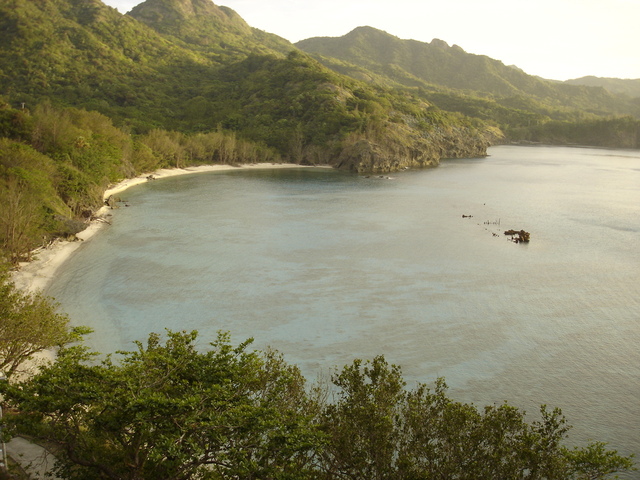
(35, 275)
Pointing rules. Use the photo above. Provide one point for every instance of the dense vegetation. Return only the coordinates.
(29, 324)
(174, 411)
(55, 164)
(628, 87)
(190, 66)
(484, 88)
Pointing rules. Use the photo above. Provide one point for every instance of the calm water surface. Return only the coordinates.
(327, 266)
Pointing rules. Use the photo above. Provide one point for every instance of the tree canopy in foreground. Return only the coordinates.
(29, 324)
(175, 410)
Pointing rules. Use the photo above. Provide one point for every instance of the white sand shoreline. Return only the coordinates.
(36, 275)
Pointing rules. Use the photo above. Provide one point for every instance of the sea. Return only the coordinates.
(328, 266)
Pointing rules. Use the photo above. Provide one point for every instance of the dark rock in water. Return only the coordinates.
(518, 236)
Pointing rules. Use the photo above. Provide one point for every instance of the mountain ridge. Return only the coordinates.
(624, 86)
(204, 24)
(526, 108)
(437, 63)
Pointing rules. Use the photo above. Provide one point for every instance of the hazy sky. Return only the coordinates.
(555, 39)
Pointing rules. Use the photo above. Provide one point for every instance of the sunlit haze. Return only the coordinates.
(554, 39)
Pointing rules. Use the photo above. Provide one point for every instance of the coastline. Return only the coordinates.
(35, 276)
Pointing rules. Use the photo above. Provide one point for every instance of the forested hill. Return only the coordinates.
(86, 54)
(192, 66)
(414, 63)
(90, 96)
(523, 106)
(411, 62)
(178, 64)
(200, 23)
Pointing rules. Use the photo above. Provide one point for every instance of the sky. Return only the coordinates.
(554, 39)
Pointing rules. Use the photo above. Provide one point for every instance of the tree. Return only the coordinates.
(169, 411)
(29, 323)
(594, 462)
(20, 219)
(379, 430)
(362, 423)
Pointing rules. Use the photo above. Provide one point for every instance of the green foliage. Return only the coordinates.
(362, 423)
(622, 132)
(56, 163)
(186, 66)
(29, 324)
(379, 430)
(207, 27)
(28, 196)
(172, 410)
(474, 85)
(594, 461)
(192, 66)
(167, 411)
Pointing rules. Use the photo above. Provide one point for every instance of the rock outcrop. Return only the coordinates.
(417, 151)
(518, 236)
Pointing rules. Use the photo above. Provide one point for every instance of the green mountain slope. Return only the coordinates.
(174, 64)
(629, 87)
(474, 85)
(90, 96)
(217, 30)
(412, 62)
(83, 53)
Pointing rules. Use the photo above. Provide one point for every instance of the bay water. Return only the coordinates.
(329, 266)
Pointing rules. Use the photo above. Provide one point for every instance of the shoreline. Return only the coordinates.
(36, 275)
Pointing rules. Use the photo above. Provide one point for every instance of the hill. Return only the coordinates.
(629, 87)
(91, 96)
(474, 85)
(177, 64)
(413, 63)
(216, 30)
(85, 54)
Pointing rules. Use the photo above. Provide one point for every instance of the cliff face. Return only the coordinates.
(365, 156)
(383, 156)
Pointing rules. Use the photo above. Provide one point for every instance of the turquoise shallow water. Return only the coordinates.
(327, 266)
